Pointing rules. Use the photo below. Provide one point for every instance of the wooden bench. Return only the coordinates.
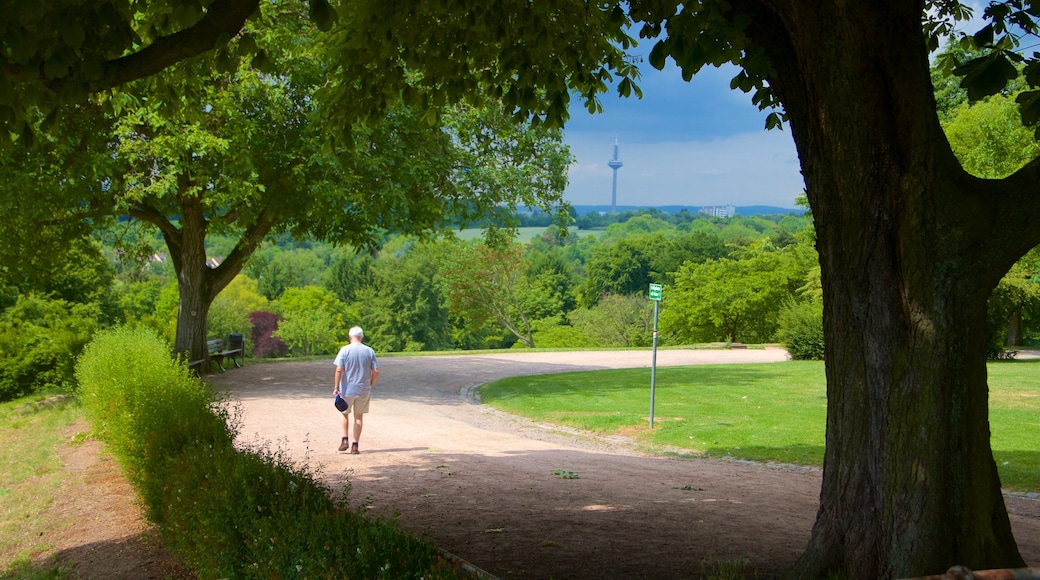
(218, 350)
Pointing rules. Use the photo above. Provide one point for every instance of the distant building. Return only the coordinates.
(722, 211)
(614, 164)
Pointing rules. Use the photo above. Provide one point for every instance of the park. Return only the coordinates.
(151, 133)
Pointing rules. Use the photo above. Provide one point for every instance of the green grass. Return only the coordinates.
(760, 412)
(31, 477)
(1014, 405)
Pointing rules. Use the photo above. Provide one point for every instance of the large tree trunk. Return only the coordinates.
(193, 283)
(1014, 331)
(910, 247)
(198, 284)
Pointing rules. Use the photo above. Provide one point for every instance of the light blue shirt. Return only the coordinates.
(358, 361)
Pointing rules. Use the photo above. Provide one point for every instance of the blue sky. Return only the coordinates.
(691, 143)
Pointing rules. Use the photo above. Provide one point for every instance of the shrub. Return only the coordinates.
(146, 406)
(264, 343)
(801, 330)
(39, 341)
(228, 513)
(307, 333)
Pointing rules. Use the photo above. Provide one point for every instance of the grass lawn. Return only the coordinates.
(762, 412)
(31, 476)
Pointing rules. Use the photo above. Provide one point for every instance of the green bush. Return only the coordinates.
(39, 341)
(801, 330)
(146, 406)
(228, 513)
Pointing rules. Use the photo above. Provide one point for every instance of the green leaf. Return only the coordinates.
(246, 44)
(658, 56)
(322, 14)
(261, 62)
(1029, 107)
(984, 37)
(72, 32)
(986, 75)
(55, 67)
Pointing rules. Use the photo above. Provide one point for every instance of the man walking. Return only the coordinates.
(357, 371)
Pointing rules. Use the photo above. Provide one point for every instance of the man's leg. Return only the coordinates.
(359, 419)
(344, 443)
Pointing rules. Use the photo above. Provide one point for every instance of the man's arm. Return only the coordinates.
(375, 377)
(335, 384)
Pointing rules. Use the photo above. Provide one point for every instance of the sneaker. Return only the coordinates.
(354, 449)
(344, 444)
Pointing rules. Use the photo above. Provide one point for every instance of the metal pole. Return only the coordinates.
(653, 366)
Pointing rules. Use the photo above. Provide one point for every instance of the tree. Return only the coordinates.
(622, 267)
(617, 320)
(990, 142)
(404, 308)
(314, 320)
(483, 282)
(58, 52)
(733, 299)
(219, 146)
(910, 244)
(1015, 300)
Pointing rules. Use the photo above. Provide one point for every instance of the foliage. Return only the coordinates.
(989, 139)
(222, 147)
(145, 405)
(76, 272)
(877, 168)
(164, 319)
(348, 274)
(309, 332)
(617, 321)
(287, 269)
(1014, 304)
(138, 299)
(552, 333)
(623, 267)
(800, 329)
(225, 512)
(483, 282)
(263, 342)
(40, 339)
(404, 309)
(733, 300)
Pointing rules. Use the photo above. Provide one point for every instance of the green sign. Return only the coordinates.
(655, 291)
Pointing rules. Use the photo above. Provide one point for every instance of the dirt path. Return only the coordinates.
(482, 486)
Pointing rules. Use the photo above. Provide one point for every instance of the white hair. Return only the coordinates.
(356, 331)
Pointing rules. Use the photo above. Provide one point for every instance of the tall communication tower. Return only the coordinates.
(614, 164)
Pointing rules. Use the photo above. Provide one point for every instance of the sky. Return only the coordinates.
(694, 143)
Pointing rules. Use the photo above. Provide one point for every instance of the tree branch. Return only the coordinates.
(221, 276)
(224, 18)
(1017, 216)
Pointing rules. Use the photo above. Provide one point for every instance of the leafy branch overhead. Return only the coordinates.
(1001, 62)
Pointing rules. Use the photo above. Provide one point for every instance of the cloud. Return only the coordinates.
(758, 168)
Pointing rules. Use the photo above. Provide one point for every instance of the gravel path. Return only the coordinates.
(485, 486)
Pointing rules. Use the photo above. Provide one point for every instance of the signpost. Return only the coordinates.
(655, 294)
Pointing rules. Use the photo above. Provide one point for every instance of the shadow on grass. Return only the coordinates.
(1018, 469)
(795, 455)
(136, 557)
